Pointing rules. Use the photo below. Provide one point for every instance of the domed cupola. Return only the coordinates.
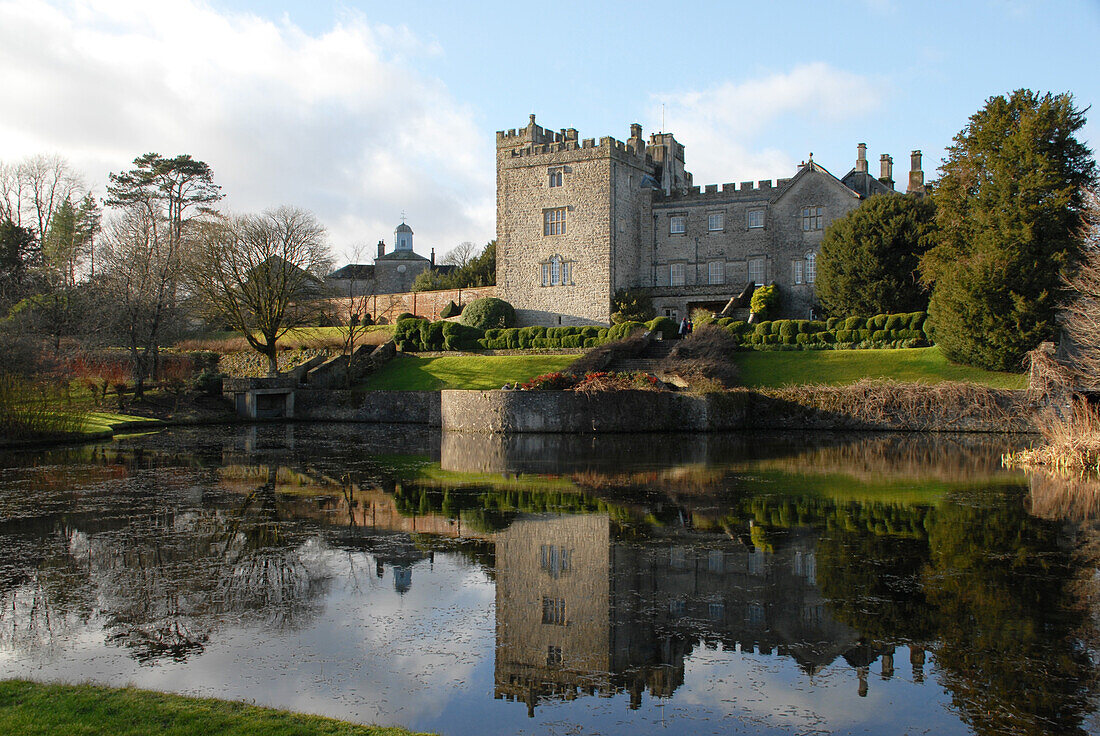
(403, 237)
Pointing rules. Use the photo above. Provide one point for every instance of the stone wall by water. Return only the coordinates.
(397, 407)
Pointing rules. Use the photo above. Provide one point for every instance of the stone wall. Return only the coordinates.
(395, 407)
(423, 303)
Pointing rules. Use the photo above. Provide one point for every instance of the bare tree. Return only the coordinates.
(1080, 315)
(139, 266)
(352, 318)
(260, 274)
(50, 181)
(461, 254)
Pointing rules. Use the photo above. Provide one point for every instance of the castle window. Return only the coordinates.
(756, 271)
(796, 271)
(716, 222)
(554, 560)
(553, 656)
(812, 218)
(755, 218)
(811, 267)
(556, 271)
(676, 274)
(566, 272)
(717, 272)
(555, 177)
(677, 225)
(553, 221)
(553, 611)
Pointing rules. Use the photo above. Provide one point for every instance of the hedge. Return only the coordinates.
(878, 331)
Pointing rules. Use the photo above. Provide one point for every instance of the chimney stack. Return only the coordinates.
(433, 256)
(861, 158)
(887, 166)
(381, 248)
(636, 141)
(916, 175)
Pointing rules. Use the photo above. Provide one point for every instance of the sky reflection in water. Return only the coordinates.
(616, 585)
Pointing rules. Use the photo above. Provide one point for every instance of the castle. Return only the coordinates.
(579, 220)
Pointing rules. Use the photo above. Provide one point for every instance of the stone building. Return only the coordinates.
(577, 220)
(391, 273)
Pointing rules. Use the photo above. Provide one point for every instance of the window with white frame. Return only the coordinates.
(556, 271)
(716, 272)
(756, 271)
(811, 267)
(676, 274)
(555, 177)
(716, 221)
(553, 221)
(812, 218)
(677, 225)
(796, 267)
(755, 218)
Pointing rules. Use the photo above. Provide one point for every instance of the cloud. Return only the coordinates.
(338, 122)
(739, 125)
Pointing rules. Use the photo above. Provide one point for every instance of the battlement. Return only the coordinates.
(535, 140)
(724, 191)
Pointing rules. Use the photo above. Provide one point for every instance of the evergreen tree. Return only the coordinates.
(60, 247)
(1010, 215)
(869, 258)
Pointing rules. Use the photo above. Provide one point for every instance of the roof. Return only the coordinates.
(403, 228)
(400, 255)
(354, 271)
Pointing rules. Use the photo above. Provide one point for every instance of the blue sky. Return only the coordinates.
(362, 110)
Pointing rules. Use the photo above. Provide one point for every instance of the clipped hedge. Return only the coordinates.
(908, 330)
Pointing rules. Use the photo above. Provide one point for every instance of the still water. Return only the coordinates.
(559, 585)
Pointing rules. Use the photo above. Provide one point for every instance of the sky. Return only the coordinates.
(366, 111)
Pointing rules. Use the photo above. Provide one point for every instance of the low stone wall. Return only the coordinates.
(422, 303)
(395, 407)
(927, 409)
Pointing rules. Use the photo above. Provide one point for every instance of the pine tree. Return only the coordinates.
(1010, 215)
(869, 257)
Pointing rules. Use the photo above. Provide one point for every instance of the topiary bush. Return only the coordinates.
(666, 326)
(765, 300)
(624, 330)
(460, 337)
(451, 310)
(487, 313)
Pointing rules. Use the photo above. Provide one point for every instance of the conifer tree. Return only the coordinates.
(1010, 217)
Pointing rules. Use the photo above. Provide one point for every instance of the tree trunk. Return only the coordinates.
(272, 362)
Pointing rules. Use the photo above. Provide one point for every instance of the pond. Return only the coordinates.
(542, 584)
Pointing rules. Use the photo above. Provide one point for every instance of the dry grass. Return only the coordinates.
(597, 359)
(939, 406)
(1071, 442)
(704, 359)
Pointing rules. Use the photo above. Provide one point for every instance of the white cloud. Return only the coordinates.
(337, 122)
(735, 123)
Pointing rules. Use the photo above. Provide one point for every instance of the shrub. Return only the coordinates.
(431, 335)
(705, 355)
(737, 327)
(667, 327)
(787, 328)
(762, 328)
(803, 338)
(764, 300)
(877, 322)
(460, 337)
(855, 323)
(832, 322)
(406, 333)
(208, 382)
(488, 312)
(631, 305)
(880, 335)
(897, 321)
(451, 310)
(624, 330)
(405, 315)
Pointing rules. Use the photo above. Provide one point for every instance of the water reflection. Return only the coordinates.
(887, 569)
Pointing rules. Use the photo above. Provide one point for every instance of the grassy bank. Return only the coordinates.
(772, 369)
(34, 709)
(423, 373)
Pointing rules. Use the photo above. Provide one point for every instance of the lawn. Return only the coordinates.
(34, 709)
(417, 373)
(771, 369)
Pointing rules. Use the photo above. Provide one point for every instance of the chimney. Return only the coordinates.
(433, 256)
(861, 158)
(636, 141)
(531, 127)
(887, 176)
(916, 175)
(381, 248)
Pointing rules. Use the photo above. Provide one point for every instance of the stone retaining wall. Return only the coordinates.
(395, 407)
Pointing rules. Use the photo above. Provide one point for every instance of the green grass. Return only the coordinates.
(34, 709)
(772, 369)
(416, 373)
(104, 421)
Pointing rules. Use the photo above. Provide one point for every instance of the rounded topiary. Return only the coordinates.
(488, 312)
(405, 315)
(667, 327)
(855, 323)
(623, 330)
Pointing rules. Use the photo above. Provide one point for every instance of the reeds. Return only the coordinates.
(1071, 442)
(35, 411)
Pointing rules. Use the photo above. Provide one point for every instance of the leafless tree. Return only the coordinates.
(352, 316)
(260, 274)
(1081, 314)
(139, 266)
(461, 254)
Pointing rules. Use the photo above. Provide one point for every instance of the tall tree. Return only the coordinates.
(18, 249)
(1010, 216)
(869, 258)
(261, 274)
(62, 244)
(88, 217)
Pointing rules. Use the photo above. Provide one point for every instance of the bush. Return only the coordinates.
(631, 305)
(855, 323)
(460, 337)
(764, 300)
(451, 310)
(667, 327)
(208, 382)
(787, 329)
(431, 335)
(624, 330)
(488, 312)
(832, 322)
(405, 315)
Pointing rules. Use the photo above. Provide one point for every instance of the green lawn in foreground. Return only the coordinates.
(34, 709)
(416, 373)
(771, 369)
